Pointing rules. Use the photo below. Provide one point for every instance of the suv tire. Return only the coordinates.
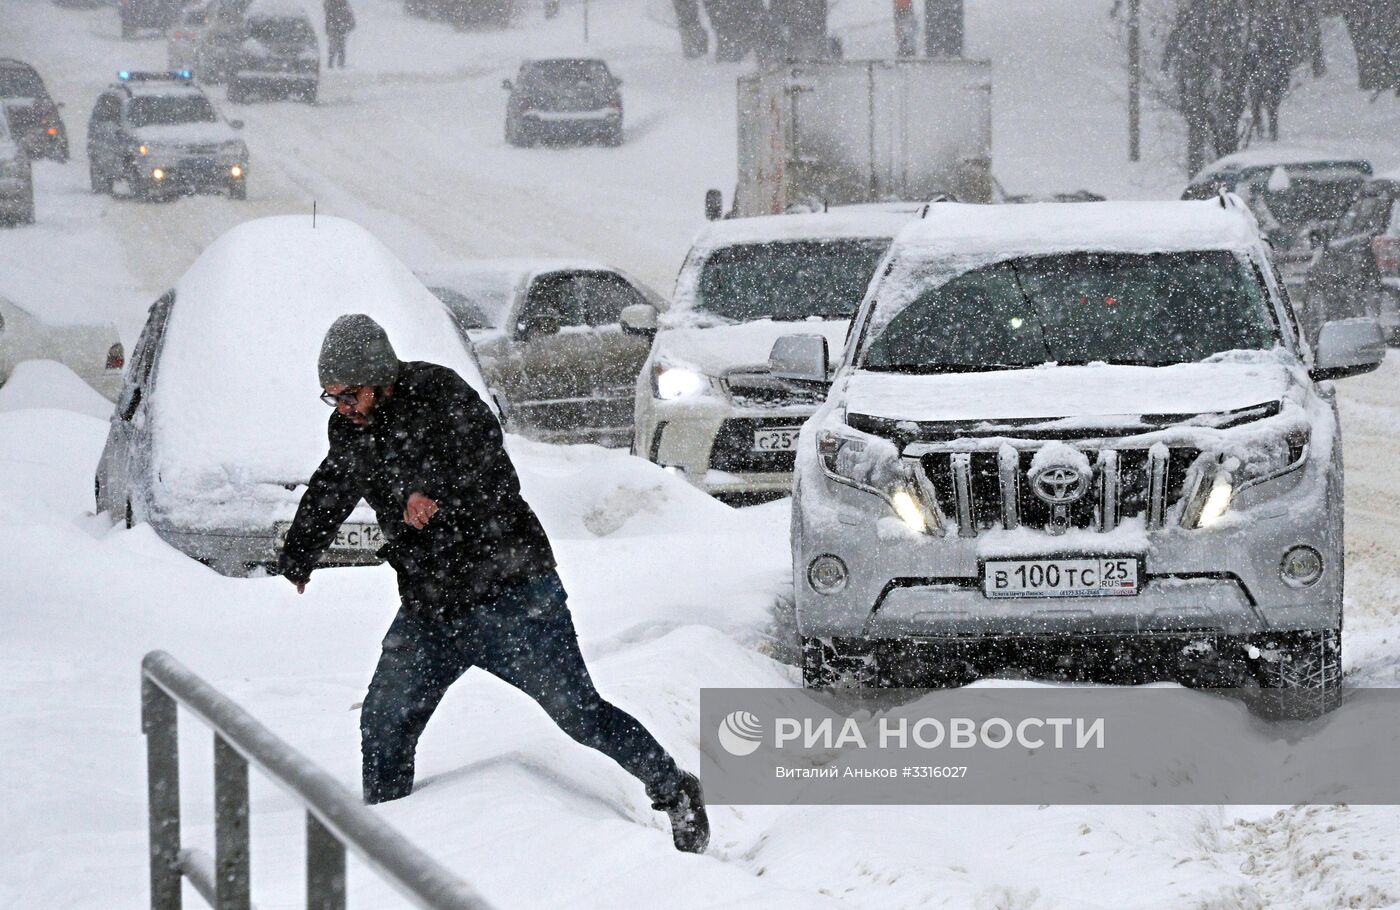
(1304, 680)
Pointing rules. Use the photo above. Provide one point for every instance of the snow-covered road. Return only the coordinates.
(676, 592)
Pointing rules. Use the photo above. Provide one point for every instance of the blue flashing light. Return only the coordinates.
(184, 74)
(123, 75)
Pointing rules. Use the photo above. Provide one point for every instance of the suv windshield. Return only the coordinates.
(1131, 308)
(788, 281)
(285, 30)
(166, 110)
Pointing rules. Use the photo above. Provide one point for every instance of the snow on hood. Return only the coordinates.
(1055, 392)
(1272, 155)
(717, 349)
(202, 133)
(235, 403)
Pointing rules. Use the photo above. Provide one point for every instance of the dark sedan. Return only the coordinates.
(566, 98)
(31, 111)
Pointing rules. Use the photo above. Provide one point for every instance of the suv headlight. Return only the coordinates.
(874, 465)
(1221, 478)
(670, 383)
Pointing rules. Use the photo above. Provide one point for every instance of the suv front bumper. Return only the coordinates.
(1217, 581)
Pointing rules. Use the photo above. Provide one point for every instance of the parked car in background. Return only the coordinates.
(183, 37)
(1076, 432)
(220, 41)
(550, 340)
(219, 423)
(1296, 195)
(568, 98)
(707, 405)
(16, 181)
(161, 135)
(94, 352)
(279, 54)
(32, 113)
(140, 15)
(1357, 272)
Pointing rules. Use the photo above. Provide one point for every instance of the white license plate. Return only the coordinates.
(777, 439)
(1110, 576)
(353, 535)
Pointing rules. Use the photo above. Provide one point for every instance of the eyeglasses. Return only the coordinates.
(350, 397)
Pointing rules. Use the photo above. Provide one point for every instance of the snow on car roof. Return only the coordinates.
(955, 229)
(841, 222)
(236, 387)
(1275, 155)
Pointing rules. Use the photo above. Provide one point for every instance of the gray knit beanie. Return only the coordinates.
(357, 352)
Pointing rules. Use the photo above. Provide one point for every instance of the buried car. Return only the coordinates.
(219, 424)
(93, 352)
(707, 406)
(549, 337)
(1085, 428)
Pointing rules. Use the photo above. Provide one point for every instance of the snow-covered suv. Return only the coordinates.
(1088, 432)
(706, 405)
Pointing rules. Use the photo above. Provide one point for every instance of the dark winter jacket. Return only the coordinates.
(339, 17)
(433, 435)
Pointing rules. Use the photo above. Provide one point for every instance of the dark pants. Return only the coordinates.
(336, 43)
(527, 638)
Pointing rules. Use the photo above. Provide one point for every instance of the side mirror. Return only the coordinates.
(714, 205)
(508, 85)
(236, 124)
(543, 322)
(1348, 347)
(800, 358)
(639, 319)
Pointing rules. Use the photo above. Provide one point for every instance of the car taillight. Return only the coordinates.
(116, 357)
(1387, 253)
(53, 131)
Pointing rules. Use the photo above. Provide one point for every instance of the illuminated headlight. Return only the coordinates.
(1301, 567)
(909, 511)
(1218, 501)
(158, 174)
(873, 464)
(143, 149)
(672, 383)
(827, 574)
(236, 171)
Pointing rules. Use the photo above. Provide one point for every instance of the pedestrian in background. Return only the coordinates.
(340, 21)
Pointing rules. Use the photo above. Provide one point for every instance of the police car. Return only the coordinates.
(161, 136)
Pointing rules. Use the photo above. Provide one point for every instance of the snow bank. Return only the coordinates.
(50, 384)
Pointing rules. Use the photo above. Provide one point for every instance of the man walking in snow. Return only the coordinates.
(476, 573)
(340, 20)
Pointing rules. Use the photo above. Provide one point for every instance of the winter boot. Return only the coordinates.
(690, 826)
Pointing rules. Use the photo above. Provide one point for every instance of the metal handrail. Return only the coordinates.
(335, 819)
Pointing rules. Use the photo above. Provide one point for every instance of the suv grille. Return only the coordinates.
(992, 481)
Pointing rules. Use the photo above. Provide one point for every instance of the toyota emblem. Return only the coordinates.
(1059, 484)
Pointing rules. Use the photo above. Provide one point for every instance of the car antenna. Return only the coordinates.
(313, 214)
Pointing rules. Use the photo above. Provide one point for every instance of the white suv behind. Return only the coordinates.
(706, 406)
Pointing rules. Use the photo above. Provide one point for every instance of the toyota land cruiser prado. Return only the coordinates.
(1076, 431)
